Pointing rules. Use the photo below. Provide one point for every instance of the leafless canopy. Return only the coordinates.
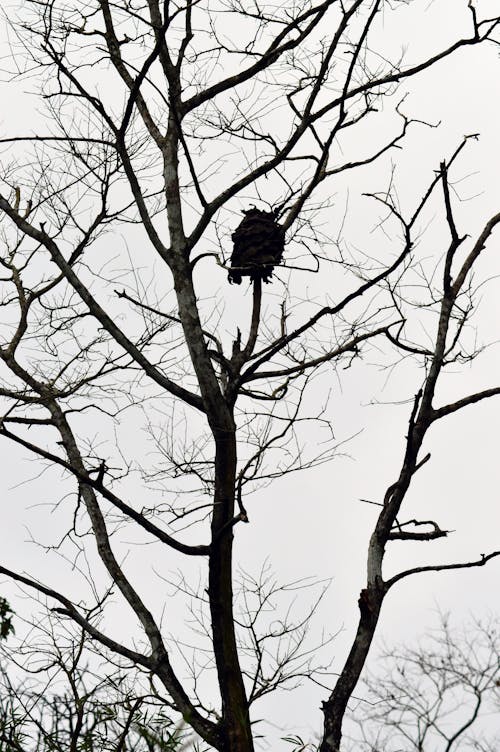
(441, 694)
(163, 121)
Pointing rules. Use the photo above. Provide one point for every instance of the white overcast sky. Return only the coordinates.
(314, 523)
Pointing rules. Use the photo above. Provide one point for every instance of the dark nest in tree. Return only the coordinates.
(259, 243)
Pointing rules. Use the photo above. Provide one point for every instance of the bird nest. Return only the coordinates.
(259, 242)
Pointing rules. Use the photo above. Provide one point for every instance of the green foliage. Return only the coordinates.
(6, 614)
(54, 723)
(160, 736)
(299, 745)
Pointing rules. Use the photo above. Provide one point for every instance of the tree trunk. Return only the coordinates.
(237, 736)
(370, 603)
(235, 728)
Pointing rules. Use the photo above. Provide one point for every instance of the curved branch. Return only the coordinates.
(96, 310)
(97, 485)
(471, 399)
(485, 558)
(71, 610)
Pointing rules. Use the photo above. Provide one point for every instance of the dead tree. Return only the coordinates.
(157, 135)
(438, 694)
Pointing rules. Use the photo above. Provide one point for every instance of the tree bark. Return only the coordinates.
(236, 719)
(236, 733)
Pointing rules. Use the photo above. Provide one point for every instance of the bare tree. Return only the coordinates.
(51, 700)
(164, 122)
(438, 695)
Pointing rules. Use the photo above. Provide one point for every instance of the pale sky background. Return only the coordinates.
(314, 524)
